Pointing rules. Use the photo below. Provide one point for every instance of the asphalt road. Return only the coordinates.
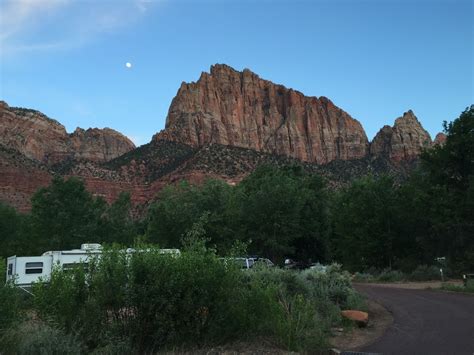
(425, 321)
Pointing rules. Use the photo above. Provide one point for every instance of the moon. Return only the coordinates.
(128, 65)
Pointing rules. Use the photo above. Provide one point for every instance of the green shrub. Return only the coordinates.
(421, 273)
(458, 288)
(332, 284)
(39, 338)
(425, 273)
(114, 347)
(356, 301)
(154, 300)
(11, 302)
(293, 316)
(150, 302)
(363, 277)
(391, 276)
(62, 299)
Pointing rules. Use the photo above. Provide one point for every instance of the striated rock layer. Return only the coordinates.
(223, 126)
(239, 109)
(46, 140)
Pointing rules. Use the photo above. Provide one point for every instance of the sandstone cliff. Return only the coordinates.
(242, 110)
(38, 137)
(223, 126)
(440, 139)
(402, 142)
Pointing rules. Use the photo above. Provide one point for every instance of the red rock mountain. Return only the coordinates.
(240, 109)
(222, 126)
(402, 142)
(46, 140)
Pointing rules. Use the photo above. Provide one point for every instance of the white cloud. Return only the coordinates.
(143, 5)
(16, 14)
(42, 25)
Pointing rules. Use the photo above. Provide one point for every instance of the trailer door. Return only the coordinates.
(11, 268)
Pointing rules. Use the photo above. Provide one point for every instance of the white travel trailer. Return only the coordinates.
(24, 270)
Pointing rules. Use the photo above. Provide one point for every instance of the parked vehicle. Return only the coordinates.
(249, 262)
(301, 265)
(24, 270)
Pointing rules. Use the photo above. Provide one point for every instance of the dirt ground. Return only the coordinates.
(413, 285)
(379, 321)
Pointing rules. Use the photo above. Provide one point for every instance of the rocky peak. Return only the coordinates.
(440, 139)
(31, 133)
(99, 144)
(41, 138)
(240, 109)
(404, 141)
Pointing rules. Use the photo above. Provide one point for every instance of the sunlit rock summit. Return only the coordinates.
(242, 110)
(222, 126)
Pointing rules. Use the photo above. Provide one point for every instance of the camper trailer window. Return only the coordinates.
(10, 269)
(34, 268)
(72, 266)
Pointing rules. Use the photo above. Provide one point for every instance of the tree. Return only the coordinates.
(452, 164)
(447, 176)
(65, 214)
(365, 224)
(283, 211)
(117, 224)
(12, 231)
(179, 207)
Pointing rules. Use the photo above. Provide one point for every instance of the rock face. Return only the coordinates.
(440, 139)
(402, 142)
(46, 140)
(99, 144)
(239, 109)
(222, 126)
(20, 178)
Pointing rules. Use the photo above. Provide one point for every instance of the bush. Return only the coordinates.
(11, 305)
(149, 302)
(332, 284)
(425, 273)
(309, 303)
(39, 338)
(391, 276)
(458, 288)
(295, 318)
(363, 277)
(153, 299)
(421, 273)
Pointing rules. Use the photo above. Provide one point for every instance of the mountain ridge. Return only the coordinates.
(222, 126)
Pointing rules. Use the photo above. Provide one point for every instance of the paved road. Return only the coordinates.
(425, 321)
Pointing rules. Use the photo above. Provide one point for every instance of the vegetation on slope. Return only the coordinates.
(282, 211)
(150, 302)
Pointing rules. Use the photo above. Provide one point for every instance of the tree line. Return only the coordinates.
(280, 212)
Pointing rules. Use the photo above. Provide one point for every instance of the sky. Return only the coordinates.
(375, 59)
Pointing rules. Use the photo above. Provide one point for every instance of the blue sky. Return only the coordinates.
(373, 58)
